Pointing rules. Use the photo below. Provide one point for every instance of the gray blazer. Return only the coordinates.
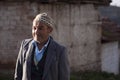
(56, 65)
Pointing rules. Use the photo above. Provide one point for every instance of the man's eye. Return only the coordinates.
(34, 28)
(41, 28)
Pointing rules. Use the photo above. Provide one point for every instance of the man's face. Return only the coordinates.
(40, 31)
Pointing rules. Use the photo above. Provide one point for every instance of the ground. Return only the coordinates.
(89, 75)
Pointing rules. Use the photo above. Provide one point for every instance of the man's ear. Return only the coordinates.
(50, 29)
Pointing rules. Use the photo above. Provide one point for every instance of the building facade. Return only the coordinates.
(77, 28)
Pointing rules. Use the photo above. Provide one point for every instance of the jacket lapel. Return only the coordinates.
(28, 59)
(49, 57)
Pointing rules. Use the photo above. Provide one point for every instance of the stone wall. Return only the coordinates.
(76, 28)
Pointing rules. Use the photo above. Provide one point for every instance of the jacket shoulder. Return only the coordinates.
(57, 45)
(26, 42)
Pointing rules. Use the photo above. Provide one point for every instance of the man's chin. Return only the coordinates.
(37, 40)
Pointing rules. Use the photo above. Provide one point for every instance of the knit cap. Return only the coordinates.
(44, 18)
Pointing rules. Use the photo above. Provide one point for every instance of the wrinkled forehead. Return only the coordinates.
(38, 23)
(35, 23)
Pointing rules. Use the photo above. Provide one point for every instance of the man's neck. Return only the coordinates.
(40, 44)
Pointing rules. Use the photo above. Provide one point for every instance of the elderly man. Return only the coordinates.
(41, 58)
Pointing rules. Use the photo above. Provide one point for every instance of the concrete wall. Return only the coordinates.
(110, 57)
(76, 29)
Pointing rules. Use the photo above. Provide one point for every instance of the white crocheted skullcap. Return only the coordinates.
(44, 18)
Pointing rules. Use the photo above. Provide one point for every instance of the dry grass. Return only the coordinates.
(7, 75)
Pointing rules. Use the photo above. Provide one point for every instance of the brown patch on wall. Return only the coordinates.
(95, 66)
(7, 65)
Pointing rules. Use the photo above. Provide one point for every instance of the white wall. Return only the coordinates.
(110, 57)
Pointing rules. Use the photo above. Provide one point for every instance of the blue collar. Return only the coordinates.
(45, 46)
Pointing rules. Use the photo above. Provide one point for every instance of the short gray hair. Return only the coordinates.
(44, 18)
